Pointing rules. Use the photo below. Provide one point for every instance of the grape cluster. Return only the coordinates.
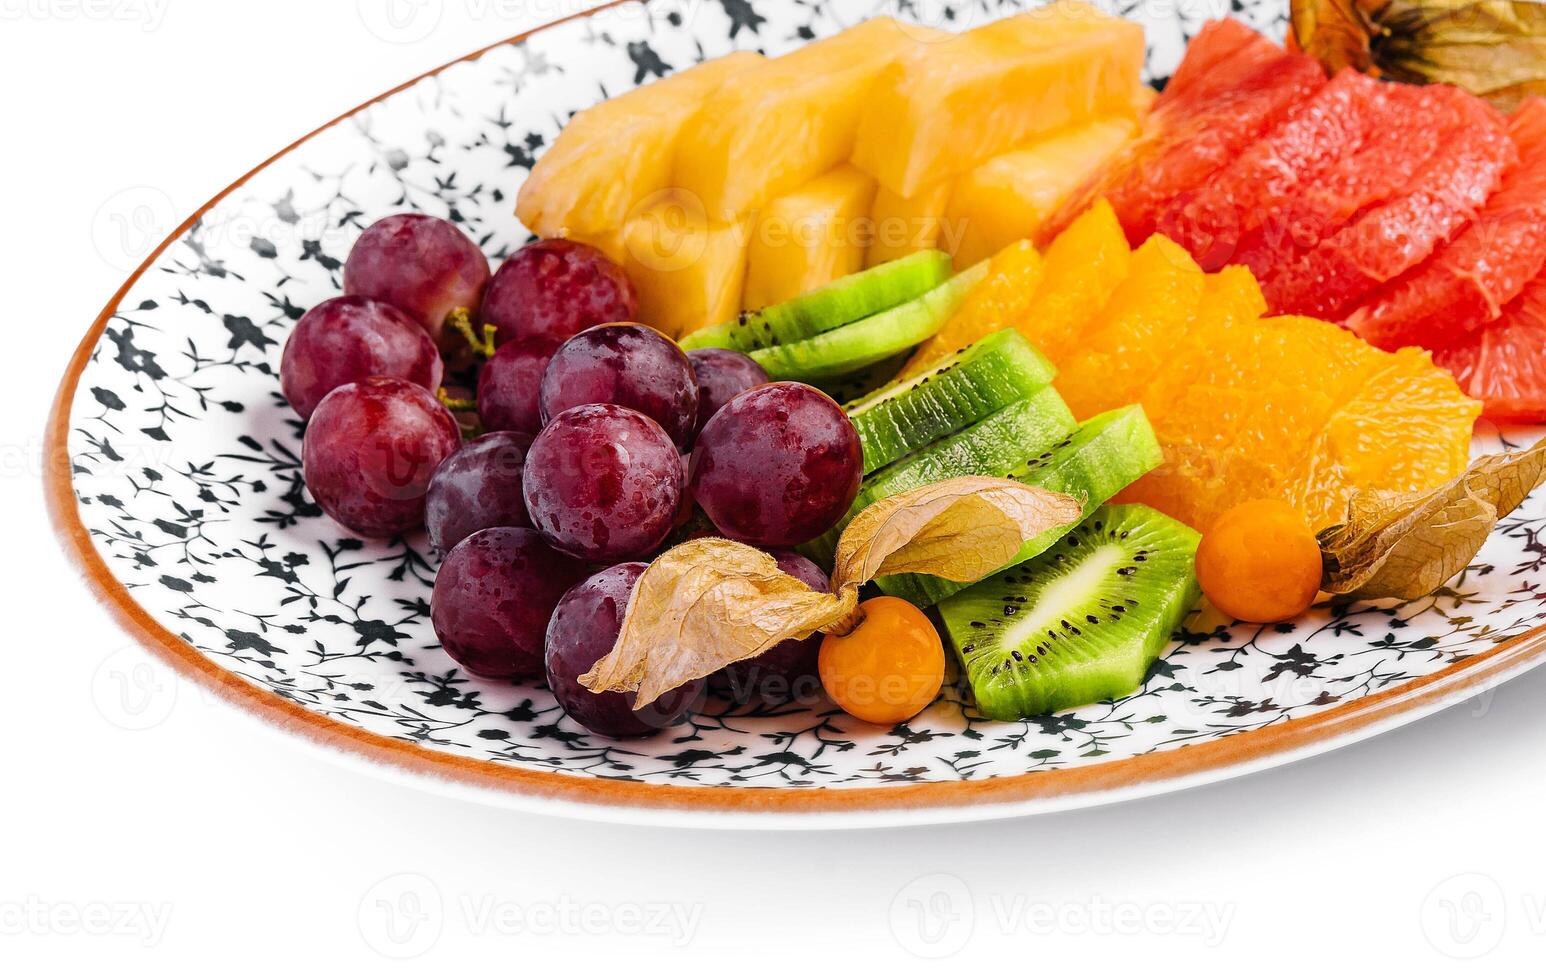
(602, 442)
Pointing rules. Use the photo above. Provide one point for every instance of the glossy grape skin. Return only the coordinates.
(349, 338)
(788, 672)
(478, 486)
(624, 364)
(493, 597)
(603, 483)
(778, 466)
(582, 631)
(424, 266)
(510, 386)
(556, 288)
(722, 374)
(370, 450)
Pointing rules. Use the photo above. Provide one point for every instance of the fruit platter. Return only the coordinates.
(846, 413)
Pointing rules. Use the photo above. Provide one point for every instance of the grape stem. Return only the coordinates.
(456, 404)
(460, 320)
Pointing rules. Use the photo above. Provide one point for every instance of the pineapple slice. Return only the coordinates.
(952, 105)
(808, 238)
(616, 154)
(787, 122)
(904, 225)
(1008, 198)
(687, 271)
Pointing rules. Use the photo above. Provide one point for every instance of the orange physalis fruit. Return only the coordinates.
(889, 668)
(1260, 562)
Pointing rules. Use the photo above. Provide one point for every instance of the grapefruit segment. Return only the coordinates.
(1466, 284)
(1504, 364)
(1223, 54)
(1447, 191)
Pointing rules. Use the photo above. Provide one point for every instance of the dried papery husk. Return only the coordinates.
(709, 603)
(1407, 545)
(1493, 48)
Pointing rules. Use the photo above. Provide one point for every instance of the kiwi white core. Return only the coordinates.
(1068, 591)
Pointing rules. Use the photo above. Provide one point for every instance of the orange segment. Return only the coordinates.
(1001, 300)
(1084, 266)
(1129, 343)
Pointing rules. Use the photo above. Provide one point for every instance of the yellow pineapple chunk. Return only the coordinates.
(788, 121)
(614, 155)
(808, 238)
(1008, 198)
(688, 271)
(904, 225)
(951, 105)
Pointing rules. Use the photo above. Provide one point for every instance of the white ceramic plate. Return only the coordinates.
(175, 478)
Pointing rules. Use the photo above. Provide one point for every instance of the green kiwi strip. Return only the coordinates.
(991, 447)
(1082, 622)
(873, 339)
(963, 388)
(840, 302)
(1097, 462)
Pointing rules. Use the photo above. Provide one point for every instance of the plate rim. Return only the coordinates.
(1043, 791)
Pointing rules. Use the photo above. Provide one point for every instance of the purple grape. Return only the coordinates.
(625, 364)
(722, 374)
(603, 483)
(370, 450)
(493, 597)
(777, 466)
(788, 671)
(422, 265)
(478, 486)
(510, 386)
(349, 338)
(583, 629)
(555, 289)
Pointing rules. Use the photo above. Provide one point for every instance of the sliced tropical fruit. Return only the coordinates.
(950, 106)
(1467, 283)
(858, 345)
(901, 225)
(1447, 192)
(1082, 622)
(612, 156)
(1216, 219)
(1106, 454)
(1504, 363)
(687, 270)
(1009, 197)
(1222, 55)
(964, 388)
(1128, 342)
(861, 384)
(786, 121)
(807, 238)
(846, 300)
(992, 447)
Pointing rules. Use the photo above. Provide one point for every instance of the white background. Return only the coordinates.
(181, 839)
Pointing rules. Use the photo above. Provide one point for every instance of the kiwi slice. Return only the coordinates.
(862, 384)
(873, 339)
(1080, 623)
(1096, 463)
(840, 302)
(969, 385)
(991, 447)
